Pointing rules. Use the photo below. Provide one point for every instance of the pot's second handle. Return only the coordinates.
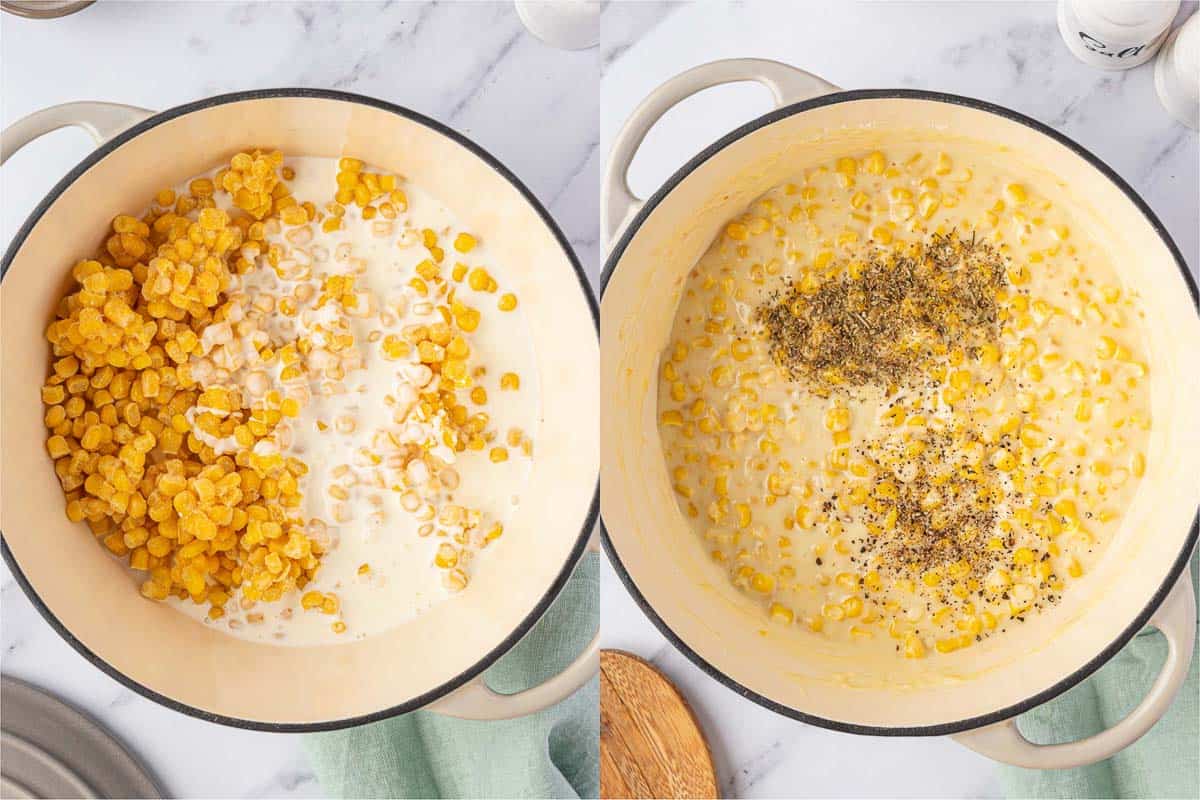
(787, 84)
(1176, 619)
(476, 700)
(101, 120)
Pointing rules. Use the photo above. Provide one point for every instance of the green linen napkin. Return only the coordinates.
(1165, 763)
(554, 753)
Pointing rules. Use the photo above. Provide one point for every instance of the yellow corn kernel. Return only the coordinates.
(57, 447)
(446, 557)
(913, 646)
(1045, 486)
(949, 644)
(1107, 348)
(1137, 465)
(833, 611)
(762, 583)
(479, 279)
(837, 419)
(1004, 461)
(782, 614)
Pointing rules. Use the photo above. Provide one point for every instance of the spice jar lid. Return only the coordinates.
(1126, 20)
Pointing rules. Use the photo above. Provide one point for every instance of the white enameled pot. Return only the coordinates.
(434, 661)
(974, 693)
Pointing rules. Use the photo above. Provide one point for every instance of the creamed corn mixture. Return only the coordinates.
(904, 403)
(210, 344)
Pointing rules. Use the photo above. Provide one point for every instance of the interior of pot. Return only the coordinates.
(95, 597)
(665, 559)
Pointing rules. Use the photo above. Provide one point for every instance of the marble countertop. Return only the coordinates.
(1008, 53)
(472, 66)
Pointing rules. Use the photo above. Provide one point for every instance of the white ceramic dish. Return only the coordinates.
(433, 661)
(981, 689)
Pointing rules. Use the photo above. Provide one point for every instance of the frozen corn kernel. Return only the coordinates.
(737, 231)
(481, 280)
(837, 419)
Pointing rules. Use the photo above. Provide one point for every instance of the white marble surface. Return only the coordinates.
(470, 66)
(474, 68)
(1008, 53)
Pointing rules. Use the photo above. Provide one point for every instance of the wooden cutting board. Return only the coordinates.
(650, 743)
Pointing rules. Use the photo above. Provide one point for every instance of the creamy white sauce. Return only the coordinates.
(401, 580)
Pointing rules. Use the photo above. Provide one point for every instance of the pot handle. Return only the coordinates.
(788, 85)
(101, 120)
(476, 700)
(1176, 620)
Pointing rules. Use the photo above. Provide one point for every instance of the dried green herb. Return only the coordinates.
(886, 314)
